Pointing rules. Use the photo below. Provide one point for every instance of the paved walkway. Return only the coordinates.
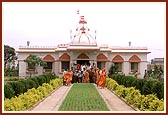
(52, 102)
(113, 102)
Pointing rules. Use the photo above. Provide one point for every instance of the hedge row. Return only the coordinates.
(13, 78)
(133, 97)
(15, 88)
(31, 97)
(146, 86)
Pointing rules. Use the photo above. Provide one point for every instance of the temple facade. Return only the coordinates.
(83, 49)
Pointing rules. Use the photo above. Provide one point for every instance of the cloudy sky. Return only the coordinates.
(49, 24)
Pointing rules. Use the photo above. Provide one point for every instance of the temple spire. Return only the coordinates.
(82, 36)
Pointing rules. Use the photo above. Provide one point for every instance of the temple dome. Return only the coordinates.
(82, 36)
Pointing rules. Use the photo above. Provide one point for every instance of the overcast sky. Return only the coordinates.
(49, 24)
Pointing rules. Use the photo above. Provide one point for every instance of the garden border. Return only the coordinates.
(36, 104)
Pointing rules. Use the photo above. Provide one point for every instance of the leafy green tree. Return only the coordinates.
(156, 73)
(113, 69)
(156, 70)
(34, 61)
(150, 73)
(9, 55)
(160, 73)
(161, 70)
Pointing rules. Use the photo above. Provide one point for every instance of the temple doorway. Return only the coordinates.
(83, 62)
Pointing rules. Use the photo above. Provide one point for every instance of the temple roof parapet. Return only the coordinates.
(30, 47)
(102, 47)
(128, 48)
(63, 45)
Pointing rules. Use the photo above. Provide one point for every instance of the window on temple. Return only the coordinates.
(31, 67)
(101, 65)
(64, 65)
(48, 68)
(134, 66)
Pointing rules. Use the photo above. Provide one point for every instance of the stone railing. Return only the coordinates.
(128, 47)
(37, 46)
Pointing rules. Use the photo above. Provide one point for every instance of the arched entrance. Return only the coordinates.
(83, 62)
(82, 59)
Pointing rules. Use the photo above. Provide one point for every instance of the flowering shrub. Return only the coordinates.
(26, 100)
(133, 97)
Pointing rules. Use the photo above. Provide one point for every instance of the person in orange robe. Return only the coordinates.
(86, 76)
(65, 76)
(102, 81)
(97, 76)
(68, 77)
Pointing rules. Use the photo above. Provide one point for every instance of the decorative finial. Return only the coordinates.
(71, 35)
(95, 34)
(28, 43)
(77, 12)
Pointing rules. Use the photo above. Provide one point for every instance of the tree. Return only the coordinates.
(150, 73)
(113, 69)
(156, 72)
(160, 73)
(9, 55)
(161, 70)
(34, 61)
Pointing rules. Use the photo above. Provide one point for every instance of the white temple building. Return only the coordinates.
(83, 49)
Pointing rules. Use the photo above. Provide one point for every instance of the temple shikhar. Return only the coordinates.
(83, 49)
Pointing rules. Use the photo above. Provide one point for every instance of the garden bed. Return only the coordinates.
(83, 97)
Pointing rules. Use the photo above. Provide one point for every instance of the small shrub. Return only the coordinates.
(18, 87)
(120, 91)
(133, 96)
(26, 100)
(47, 78)
(35, 80)
(147, 87)
(54, 83)
(8, 91)
(158, 89)
(29, 84)
(41, 79)
(151, 103)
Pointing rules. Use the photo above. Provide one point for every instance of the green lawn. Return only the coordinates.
(83, 97)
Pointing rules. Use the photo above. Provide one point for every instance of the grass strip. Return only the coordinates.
(83, 97)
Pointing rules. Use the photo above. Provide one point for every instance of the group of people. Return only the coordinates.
(85, 74)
